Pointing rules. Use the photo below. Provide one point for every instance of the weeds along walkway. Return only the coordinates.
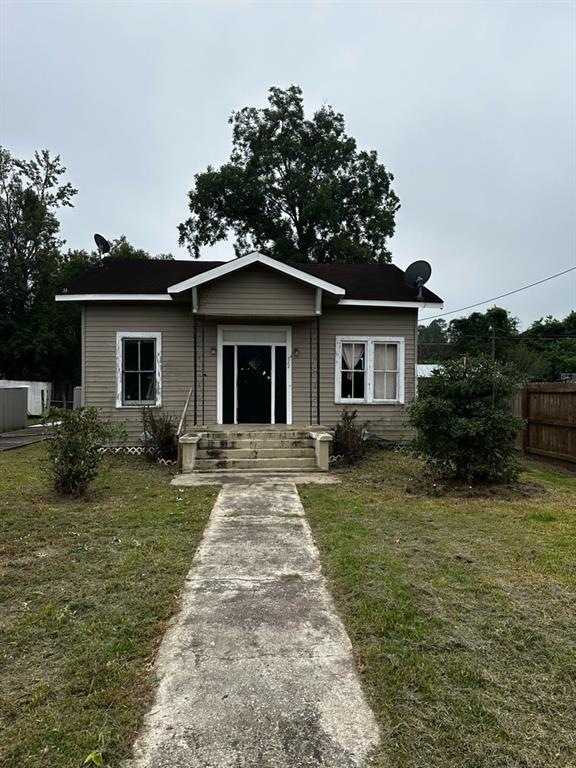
(256, 670)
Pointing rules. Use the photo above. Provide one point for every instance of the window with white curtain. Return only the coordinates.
(369, 369)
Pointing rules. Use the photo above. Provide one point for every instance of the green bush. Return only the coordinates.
(159, 435)
(465, 426)
(348, 442)
(74, 449)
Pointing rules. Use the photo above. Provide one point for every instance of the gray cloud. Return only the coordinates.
(471, 105)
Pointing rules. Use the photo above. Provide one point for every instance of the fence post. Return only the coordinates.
(525, 416)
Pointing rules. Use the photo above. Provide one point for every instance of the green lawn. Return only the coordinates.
(86, 589)
(462, 614)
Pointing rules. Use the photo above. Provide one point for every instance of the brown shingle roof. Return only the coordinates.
(369, 282)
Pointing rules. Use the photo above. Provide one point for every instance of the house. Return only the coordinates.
(252, 341)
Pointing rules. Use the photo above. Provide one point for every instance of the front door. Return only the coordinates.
(254, 375)
(254, 384)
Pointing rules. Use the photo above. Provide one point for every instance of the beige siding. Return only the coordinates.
(256, 291)
(385, 420)
(175, 323)
(101, 324)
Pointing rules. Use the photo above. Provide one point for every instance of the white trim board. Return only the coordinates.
(219, 369)
(255, 258)
(113, 297)
(382, 303)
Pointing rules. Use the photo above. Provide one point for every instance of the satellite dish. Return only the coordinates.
(102, 244)
(417, 275)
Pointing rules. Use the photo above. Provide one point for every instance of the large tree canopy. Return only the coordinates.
(294, 188)
(30, 194)
(40, 339)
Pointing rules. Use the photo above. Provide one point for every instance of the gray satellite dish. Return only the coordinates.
(417, 274)
(102, 244)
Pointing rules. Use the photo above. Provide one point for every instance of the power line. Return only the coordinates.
(502, 295)
(499, 338)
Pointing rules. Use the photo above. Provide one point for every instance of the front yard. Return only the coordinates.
(462, 614)
(85, 593)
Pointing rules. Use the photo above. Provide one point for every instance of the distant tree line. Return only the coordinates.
(543, 352)
(39, 339)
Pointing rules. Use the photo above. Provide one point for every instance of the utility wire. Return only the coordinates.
(518, 337)
(502, 295)
(488, 338)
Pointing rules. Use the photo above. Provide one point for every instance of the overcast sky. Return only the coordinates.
(472, 106)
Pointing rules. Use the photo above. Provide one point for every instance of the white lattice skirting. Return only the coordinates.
(134, 450)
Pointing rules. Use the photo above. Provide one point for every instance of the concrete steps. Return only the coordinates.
(253, 444)
(255, 453)
(239, 464)
(255, 450)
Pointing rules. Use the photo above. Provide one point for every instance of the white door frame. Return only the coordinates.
(258, 342)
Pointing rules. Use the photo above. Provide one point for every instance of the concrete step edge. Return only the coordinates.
(255, 453)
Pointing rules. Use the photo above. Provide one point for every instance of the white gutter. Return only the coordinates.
(113, 297)
(379, 303)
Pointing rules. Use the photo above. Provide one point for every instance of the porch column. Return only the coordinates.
(317, 369)
(318, 312)
(195, 370)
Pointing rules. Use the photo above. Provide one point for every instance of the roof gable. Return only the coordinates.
(256, 258)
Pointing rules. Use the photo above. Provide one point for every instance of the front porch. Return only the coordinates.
(255, 447)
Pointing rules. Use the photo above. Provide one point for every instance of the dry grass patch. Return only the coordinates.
(86, 589)
(461, 613)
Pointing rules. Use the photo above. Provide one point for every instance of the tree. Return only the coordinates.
(125, 250)
(30, 194)
(433, 344)
(554, 343)
(472, 335)
(294, 188)
(464, 423)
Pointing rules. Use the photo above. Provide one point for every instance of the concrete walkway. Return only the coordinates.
(256, 670)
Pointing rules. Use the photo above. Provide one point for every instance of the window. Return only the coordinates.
(138, 368)
(369, 370)
(353, 370)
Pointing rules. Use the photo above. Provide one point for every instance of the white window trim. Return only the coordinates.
(254, 341)
(138, 335)
(369, 341)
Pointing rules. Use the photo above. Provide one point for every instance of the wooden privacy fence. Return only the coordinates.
(550, 414)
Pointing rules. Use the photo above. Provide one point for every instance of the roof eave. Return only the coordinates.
(113, 297)
(389, 303)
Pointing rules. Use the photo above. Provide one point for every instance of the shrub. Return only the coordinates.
(348, 438)
(74, 449)
(159, 435)
(465, 426)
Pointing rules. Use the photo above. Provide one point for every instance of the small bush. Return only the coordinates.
(73, 449)
(348, 438)
(159, 435)
(465, 426)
